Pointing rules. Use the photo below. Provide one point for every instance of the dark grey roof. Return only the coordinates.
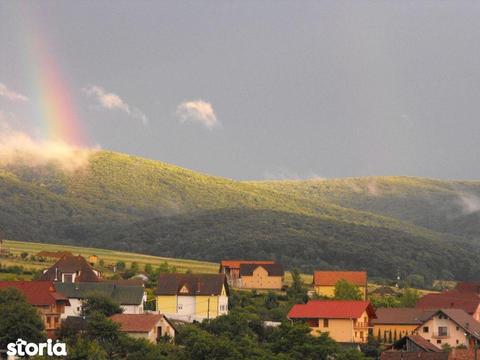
(193, 284)
(272, 269)
(71, 264)
(122, 294)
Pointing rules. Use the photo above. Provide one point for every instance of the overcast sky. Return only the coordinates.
(260, 89)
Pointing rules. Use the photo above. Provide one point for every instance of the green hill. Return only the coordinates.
(123, 202)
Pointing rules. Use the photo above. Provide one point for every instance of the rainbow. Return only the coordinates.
(53, 105)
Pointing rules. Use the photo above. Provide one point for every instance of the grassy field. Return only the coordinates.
(108, 256)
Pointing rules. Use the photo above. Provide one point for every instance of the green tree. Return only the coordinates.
(84, 349)
(98, 303)
(409, 297)
(416, 281)
(148, 269)
(134, 267)
(297, 290)
(271, 300)
(347, 291)
(106, 333)
(120, 265)
(18, 319)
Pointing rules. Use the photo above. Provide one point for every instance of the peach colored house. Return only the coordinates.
(231, 269)
(453, 327)
(346, 321)
(151, 327)
(325, 281)
(261, 276)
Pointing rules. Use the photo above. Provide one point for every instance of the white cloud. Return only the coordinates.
(198, 111)
(11, 95)
(112, 101)
(20, 148)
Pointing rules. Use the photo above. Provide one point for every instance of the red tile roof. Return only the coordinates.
(330, 278)
(466, 301)
(331, 309)
(138, 323)
(468, 287)
(38, 293)
(235, 264)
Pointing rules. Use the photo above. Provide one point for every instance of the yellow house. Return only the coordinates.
(192, 296)
(392, 324)
(325, 281)
(261, 276)
(346, 321)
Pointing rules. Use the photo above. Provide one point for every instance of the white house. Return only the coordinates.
(131, 296)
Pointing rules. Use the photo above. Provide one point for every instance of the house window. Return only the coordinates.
(442, 331)
(458, 341)
(425, 329)
(180, 306)
(68, 278)
(361, 335)
(439, 341)
(355, 334)
(325, 323)
(458, 328)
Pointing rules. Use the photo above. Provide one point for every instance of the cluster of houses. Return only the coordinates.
(449, 319)
(446, 319)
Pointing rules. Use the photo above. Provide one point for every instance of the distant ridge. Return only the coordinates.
(383, 224)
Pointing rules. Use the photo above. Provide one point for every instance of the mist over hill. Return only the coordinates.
(383, 224)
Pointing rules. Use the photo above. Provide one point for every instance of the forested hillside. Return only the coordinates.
(385, 225)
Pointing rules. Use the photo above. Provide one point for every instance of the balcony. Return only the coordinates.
(362, 325)
(440, 335)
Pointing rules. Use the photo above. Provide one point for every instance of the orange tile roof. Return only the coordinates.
(138, 323)
(331, 309)
(235, 264)
(330, 278)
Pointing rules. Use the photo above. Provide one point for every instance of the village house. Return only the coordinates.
(325, 281)
(130, 295)
(50, 303)
(192, 297)
(392, 324)
(453, 327)
(71, 269)
(346, 321)
(261, 276)
(231, 269)
(467, 301)
(151, 327)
